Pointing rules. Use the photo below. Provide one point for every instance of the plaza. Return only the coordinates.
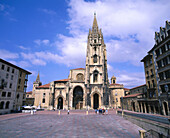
(76, 124)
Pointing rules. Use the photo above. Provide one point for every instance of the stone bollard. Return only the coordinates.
(87, 112)
(142, 133)
(32, 112)
(122, 113)
(59, 112)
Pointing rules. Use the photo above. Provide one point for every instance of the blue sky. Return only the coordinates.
(51, 36)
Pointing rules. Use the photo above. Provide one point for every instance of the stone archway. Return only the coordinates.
(78, 97)
(95, 101)
(60, 103)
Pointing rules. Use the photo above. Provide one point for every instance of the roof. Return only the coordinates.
(126, 89)
(132, 95)
(63, 80)
(138, 86)
(112, 84)
(146, 57)
(10, 64)
(30, 92)
(44, 86)
(79, 69)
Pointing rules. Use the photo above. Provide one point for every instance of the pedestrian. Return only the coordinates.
(68, 112)
(106, 111)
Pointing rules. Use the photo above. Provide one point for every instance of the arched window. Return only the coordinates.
(7, 105)
(2, 105)
(80, 77)
(95, 58)
(95, 76)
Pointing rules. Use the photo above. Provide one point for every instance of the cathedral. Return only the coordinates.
(85, 88)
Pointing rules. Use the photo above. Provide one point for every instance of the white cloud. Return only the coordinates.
(128, 25)
(48, 11)
(42, 42)
(33, 59)
(131, 80)
(23, 47)
(8, 55)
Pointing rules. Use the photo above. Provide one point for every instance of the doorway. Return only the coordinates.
(78, 97)
(60, 103)
(95, 101)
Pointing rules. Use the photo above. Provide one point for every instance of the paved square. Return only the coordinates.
(77, 124)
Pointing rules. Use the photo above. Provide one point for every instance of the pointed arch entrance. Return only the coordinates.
(95, 101)
(78, 97)
(60, 103)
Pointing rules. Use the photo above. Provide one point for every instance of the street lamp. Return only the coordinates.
(166, 90)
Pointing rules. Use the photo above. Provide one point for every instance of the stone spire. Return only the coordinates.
(95, 25)
(38, 78)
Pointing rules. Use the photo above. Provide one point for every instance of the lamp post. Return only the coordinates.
(122, 106)
(166, 90)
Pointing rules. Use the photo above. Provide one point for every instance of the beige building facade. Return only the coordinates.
(13, 84)
(85, 88)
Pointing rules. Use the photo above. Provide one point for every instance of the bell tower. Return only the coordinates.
(96, 76)
(36, 83)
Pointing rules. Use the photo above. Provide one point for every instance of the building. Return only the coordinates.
(116, 92)
(85, 87)
(13, 83)
(157, 72)
(29, 99)
(133, 101)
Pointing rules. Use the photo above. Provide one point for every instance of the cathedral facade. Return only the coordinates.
(85, 87)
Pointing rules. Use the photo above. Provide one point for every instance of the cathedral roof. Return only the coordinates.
(44, 86)
(30, 92)
(62, 80)
(132, 95)
(79, 69)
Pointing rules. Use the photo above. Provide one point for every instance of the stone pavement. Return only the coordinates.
(75, 125)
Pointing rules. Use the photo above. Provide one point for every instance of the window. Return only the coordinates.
(10, 86)
(7, 105)
(80, 77)
(8, 69)
(95, 58)
(116, 94)
(18, 86)
(2, 105)
(43, 101)
(94, 40)
(60, 91)
(27, 96)
(161, 76)
(18, 96)
(12, 70)
(20, 74)
(167, 74)
(23, 96)
(150, 61)
(3, 94)
(95, 75)
(149, 84)
(43, 94)
(151, 71)
(146, 63)
(7, 76)
(9, 94)
(2, 67)
(95, 49)
(12, 77)
(153, 83)
(19, 81)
